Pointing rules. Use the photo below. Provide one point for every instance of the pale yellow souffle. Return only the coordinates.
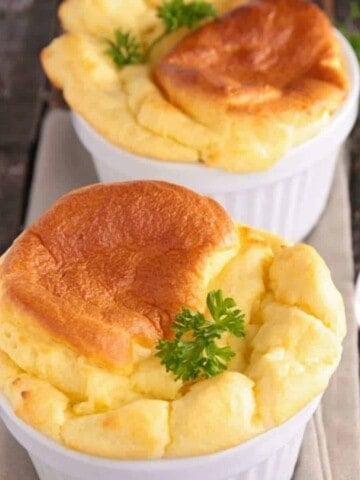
(86, 292)
(237, 93)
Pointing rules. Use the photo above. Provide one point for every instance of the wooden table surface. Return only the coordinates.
(25, 27)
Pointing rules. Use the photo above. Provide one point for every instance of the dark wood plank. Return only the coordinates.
(23, 32)
(342, 9)
(355, 194)
(26, 26)
(13, 166)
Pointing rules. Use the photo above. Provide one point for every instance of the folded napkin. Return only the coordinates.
(331, 448)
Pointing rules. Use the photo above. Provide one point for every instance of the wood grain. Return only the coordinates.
(13, 166)
(25, 27)
(355, 193)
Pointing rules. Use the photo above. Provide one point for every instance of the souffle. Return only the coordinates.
(239, 90)
(92, 291)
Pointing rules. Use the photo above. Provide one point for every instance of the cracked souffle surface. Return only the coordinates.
(236, 93)
(89, 289)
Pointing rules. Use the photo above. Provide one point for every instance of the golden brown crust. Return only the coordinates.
(258, 58)
(65, 273)
(112, 264)
(270, 70)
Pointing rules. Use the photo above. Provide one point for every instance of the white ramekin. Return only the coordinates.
(270, 456)
(287, 199)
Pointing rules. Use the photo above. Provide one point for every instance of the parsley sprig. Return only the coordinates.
(126, 49)
(177, 14)
(200, 355)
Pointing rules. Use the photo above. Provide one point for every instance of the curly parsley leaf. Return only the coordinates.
(125, 49)
(177, 14)
(198, 355)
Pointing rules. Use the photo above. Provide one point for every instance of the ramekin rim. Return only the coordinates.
(283, 167)
(140, 464)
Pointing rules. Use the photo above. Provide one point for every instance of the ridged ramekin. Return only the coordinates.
(287, 199)
(270, 456)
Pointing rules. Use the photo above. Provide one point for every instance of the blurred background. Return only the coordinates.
(25, 27)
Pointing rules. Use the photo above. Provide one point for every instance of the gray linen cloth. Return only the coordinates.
(331, 448)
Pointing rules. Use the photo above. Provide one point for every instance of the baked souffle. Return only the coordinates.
(90, 297)
(236, 91)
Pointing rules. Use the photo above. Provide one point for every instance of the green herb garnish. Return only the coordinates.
(200, 355)
(177, 14)
(126, 49)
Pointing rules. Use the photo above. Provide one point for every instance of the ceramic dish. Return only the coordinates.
(288, 199)
(269, 456)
